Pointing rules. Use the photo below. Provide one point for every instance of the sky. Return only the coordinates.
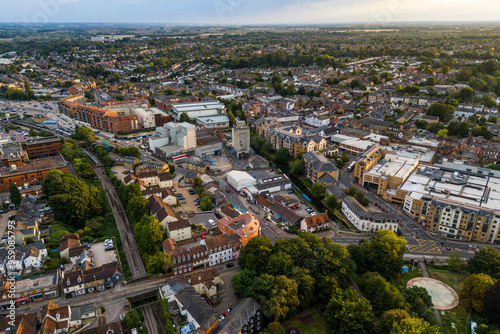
(227, 12)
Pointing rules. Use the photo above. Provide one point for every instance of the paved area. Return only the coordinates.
(4, 219)
(202, 219)
(101, 256)
(443, 296)
(120, 172)
(424, 246)
(190, 205)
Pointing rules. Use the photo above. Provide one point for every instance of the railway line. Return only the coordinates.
(129, 246)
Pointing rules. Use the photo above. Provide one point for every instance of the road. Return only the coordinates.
(129, 246)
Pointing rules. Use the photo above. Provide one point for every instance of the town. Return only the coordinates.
(172, 179)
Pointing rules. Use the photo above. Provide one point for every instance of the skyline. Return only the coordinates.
(235, 12)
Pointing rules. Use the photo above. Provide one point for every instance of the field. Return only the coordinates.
(318, 327)
(402, 279)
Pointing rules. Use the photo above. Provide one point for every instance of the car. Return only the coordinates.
(294, 207)
(290, 192)
(182, 198)
(309, 208)
(314, 214)
(302, 202)
(211, 222)
(229, 265)
(237, 294)
(183, 202)
(221, 317)
(448, 248)
(227, 190)
(109, 248)
(179, 195)
(225, 313)
(272, 170)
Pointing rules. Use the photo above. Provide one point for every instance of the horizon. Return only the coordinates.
(259, 13)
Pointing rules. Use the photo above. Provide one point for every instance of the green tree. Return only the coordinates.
(242, 281)
(132, 319)
(96, 226)
(297, 168)
(443, 133)
(275, 328)
(466, 93)
(148, 233)
(473, 289)
(486, 261)
(232, 119)
(491, 304)
(255, 250)
(445, 69)
(443, 111)
(159, 263)
(455, 262)
(390, 318)
(331, 202)
(282, 155)
(318, 191)
(137, 208)
(382, 295)
(414, 326)
(346, 313)
(84, 133)
(15, 194)
(206, 203)
(420, 303)
(345, 157)
(185, 117)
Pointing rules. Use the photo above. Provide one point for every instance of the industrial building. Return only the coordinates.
(197, 109)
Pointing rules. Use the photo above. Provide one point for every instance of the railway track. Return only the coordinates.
(129, 246)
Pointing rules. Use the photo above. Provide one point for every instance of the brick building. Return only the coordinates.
(42, 147)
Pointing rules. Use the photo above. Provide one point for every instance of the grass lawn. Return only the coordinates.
(319, 327)
(458, 315)
(402, 279)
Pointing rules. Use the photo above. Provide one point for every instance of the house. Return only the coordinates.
(161, 211)
(183, 299)
(184, 260)
(281, 213)
(219, 249)
(315, 223)
(66, 243)
(130, 178)
(190, 176)
(245, 226)
(262, 202)
(129, 163)
(205, 282)
(317, 166)
(179, 230)
(58, 319)
(259, 162)
(114, 327)
(38, 287)
(75, 253)
(25, 323)
(80, 282)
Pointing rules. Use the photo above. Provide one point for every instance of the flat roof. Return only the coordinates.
(213, 119)
(454, 184)
(35, 165)
(357, 143)
(393, 165)
(195, 106)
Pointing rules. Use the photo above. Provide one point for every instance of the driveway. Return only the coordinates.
(226, 291)
(190, 205)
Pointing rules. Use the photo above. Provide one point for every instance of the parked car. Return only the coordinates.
(225, 313)
(229, 265)
(211, 222)
(183, 202)
(227, 190)
(290, 192)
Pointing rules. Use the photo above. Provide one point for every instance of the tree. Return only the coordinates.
(421, 124)
(382, 295)
(331, 202)
(185, 117)
(420, 302)
(455, 262)
(85, 134)
(255, 250)
(242, 281)
(275, 328)
(282, 155)
(443, 133)
(486, 261)
(132, 319)
(445, 69)
(414, 326)
(473, 289)
(491, 303)
(346, 313)
(297, 168)
(15, 194)
(466, 93)
(232, 119)
(443, 111)
(148, 233)
(345, 157)
(390, 318)
(206, 203)
(197, 182)
(96, 226)
(318, 191)
(399, 88)
(158, 263)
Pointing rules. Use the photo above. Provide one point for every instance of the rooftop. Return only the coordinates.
(393, 165)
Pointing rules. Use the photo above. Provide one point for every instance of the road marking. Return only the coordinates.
(424, 246)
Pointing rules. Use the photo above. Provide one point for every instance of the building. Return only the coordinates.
(245, 226)
(366, 161)
(80, 282)
(455, 200)
(161, 211)
(315, 223)
(241, 139)
(37, 288)
(317, 121)
(365, 220)
(259, 162)
(197, 109)
(179, 230)
(111, 328)
(129, 163)
(355, 146)
(31, 172)
(205, 282)
(101, 119)
(246, 317)
(184, 260)
(176, 136)
(240, 180)
(60, 319)
(147, 116)
(271, 184)
(219, 249)
(282, 214)
(42, 147)
(214, 122)
(183, 299)
(318, 166)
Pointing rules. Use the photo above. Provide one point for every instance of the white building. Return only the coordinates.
(146, 116)
(197, 109)
(182, 135)
(365, 220)
(240, 180)
(214, 122)
(317, 120)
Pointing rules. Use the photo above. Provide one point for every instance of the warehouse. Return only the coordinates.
(240, 180)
